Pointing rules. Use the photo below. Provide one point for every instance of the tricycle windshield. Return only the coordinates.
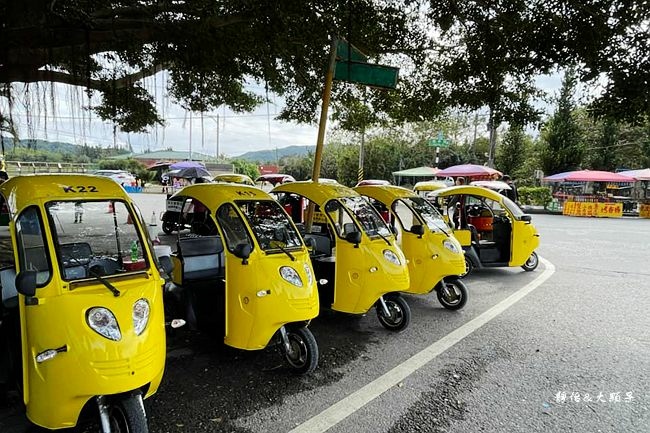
(428, 213)
(95, 238)
(370, 220)
(271, 226)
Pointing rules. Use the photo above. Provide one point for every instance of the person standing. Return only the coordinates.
(511, 193)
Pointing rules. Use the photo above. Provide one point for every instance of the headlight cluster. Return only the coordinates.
(310, 277)
(290, 275)
(103, 321)
(451, 246)
(140, 315)
(392, 257)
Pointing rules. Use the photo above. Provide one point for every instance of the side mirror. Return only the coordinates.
(243, 251)
(417, 230)
(526, 218)
(26, 283)
(353, 237)
(166, 264)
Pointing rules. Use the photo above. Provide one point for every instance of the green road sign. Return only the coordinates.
(366, 73)
(438, 142)
(347, 52)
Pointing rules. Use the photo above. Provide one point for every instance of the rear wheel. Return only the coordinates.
(531, 263)
(452, 294)
(126, 415)
(168, 227)
(400, 313)
(302, 355)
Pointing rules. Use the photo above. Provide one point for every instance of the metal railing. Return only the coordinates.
(15, 168)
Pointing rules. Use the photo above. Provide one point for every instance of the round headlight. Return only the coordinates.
(290, 275)
(392, 257)
(310, 276)
(451, 246)
(140, 315)
(102, 321)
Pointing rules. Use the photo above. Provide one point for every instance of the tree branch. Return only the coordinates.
(32, 76)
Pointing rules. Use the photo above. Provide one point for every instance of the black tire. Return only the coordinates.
(469, 267)
(400, 316)
(452, 295)
(531, 263)
(126, 415)
(168, 227)
(303, 358)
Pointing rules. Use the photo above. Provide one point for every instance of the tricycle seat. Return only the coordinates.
(202, 258)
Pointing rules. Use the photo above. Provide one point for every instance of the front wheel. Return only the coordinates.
(452, 294)
(400, 313)
(469, 267)
(302, 354)
(126, 415)
(531, 263)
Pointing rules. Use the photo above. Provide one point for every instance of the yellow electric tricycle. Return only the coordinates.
(492, 229)
(435, 257)
(355, 258)
(82, 320)
(244, 273)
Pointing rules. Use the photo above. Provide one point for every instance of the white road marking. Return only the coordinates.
(358, 399)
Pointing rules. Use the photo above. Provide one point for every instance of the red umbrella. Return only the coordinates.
(468, 170)
(596, 176)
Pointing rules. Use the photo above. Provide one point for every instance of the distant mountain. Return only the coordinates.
(270, 155)
(51, 146)
(58, 147)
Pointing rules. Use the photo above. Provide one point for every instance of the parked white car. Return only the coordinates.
(122, 177)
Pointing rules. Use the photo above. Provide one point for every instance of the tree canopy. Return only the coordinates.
(453, 54)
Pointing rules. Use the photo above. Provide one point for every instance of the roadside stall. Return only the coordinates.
(587, 193)
(641, 189)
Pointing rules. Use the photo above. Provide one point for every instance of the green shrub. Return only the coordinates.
(535, 195)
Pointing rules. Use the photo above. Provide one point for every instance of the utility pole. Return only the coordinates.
(217, 137)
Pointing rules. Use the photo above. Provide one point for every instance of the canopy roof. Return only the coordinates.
(468, 170)
(642, 174)
(589, 176)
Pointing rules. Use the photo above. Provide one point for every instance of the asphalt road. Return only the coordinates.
(584, 330)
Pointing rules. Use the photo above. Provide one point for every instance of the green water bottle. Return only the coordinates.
(134, 251)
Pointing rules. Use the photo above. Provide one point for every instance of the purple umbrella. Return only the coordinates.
(186, 164)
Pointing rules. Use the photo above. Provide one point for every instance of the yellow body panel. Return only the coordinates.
(234, 178)
(252, 319)
(463, 236)
(429, 185)
(524, 238)
(56, 390)
(362, 274)
(357, 286)
(428, 260)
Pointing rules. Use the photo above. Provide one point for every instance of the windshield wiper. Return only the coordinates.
(105, 282)
(293, 259)
(384, 238)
